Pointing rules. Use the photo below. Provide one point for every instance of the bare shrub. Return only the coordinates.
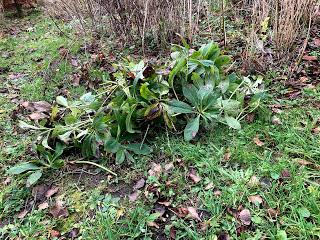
(277, 24)
(155, 20)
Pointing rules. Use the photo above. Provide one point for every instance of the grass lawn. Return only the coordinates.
(261, 182)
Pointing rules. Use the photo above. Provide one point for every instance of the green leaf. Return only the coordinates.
(146, 93)
(120, 156)
(34, 177)
(111, 145)
(180, 107)
(21, 168)
(138, 149)
(178, 67)
(222, 60)
(190, 93)
(233, 123)
(281, 235)
(129, 125)
(62, 101)
(65, 137)
(192, 129)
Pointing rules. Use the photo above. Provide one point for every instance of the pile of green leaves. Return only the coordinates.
(136, 98)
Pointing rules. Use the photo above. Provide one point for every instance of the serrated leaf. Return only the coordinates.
(192, 128)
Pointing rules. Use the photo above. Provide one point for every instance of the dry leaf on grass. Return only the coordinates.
(309, 58)
(194, 177)
(55, 233)
(133, 196)
(140, 184)
(256, 199)
(59, 211)
(245, 217)
(258, 142)
(193, 214)
(43, 206)
(22, 214)
(51, 192)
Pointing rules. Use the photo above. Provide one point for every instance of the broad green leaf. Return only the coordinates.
(190, 93)
(111, 145)
(21, 168)
(120, 157)
(233, 123)
(138, 149)
(221, 61)
(62, 101)
(34, 177)
(281, 235)
(192, 128)
(180, 107)
(178, 67)
(146, 93)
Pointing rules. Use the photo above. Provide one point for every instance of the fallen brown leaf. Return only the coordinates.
(316, 130)
(182, 212)
(272, 213)
(168, 167)
(194, 177)
(37, 116)
(256, 199)
(193, 213)
(22, 214)
(209, 186)
(223, 236)
(276, 121)
(153, 224)
(258, 142)
(254, 181)
(7, 181)
(217, 193)
(52, 191)
(173, 233)
(133, 196)
(309, 58)
(55, 233)
(316, 42)
(59, 211)
(155, 170)
(140, 184)
(285, 173)
(245, 217)
(227, 155)
(43, 206)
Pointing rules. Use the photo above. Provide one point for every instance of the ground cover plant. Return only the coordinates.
(97, 143)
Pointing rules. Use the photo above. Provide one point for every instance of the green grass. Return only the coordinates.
(98, 204)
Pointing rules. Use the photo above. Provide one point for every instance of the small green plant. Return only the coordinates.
(114, 122)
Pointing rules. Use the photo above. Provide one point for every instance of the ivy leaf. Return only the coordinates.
(192, 128)
(233, 123)
(34, 177)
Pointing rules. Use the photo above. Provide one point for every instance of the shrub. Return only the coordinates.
(136, 98)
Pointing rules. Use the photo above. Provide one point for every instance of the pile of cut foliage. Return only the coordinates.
(135, 99)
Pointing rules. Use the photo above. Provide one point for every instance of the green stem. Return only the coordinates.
(97, 165)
